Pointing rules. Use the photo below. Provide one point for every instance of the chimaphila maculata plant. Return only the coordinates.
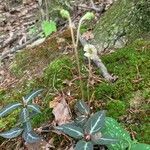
(97, 129)
(87, 128)
(27, 111)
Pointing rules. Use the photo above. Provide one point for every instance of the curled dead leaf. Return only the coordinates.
(61, 110)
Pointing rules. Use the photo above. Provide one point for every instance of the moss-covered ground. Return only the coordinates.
(126, 100)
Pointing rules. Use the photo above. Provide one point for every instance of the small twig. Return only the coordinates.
(101, 9)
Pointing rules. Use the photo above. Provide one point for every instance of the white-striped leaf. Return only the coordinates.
(32, 95)
(95, 123)
(81, 120)
(34, 107)
(27, 126)
(11, 133)
(82, 107)
(83, 145)
(105, 141)
(24, 115)
(31, 137)
(9, 108)
(71, 130)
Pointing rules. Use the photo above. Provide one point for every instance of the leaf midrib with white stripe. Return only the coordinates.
(92, 128)
(79, 133)
(13, 105)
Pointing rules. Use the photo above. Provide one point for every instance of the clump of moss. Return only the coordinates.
(116, 108)
(19, 64)
(132, 67)
(58, 71)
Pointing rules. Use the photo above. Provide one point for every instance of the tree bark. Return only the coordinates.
(124, 22)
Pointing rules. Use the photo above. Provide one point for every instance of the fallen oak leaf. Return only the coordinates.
(61, 110)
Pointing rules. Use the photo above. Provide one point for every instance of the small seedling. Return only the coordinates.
(27, 111)
(48, 27)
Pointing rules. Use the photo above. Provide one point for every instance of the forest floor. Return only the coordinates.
(51, 65)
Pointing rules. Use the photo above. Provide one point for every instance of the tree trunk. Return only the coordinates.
(124, 22)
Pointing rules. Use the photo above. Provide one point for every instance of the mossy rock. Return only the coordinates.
(132, 66)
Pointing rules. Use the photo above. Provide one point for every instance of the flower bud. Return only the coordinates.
(88, 16)
(64, 13)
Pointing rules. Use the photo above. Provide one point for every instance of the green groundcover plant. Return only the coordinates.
(27, 111)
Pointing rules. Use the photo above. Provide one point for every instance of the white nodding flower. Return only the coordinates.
(90, 51)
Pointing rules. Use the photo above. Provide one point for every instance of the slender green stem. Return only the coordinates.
(78, 32)
(76, 55)
(89, 77)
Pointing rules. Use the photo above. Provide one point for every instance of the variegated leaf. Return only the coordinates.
(9, 108)
(24, 115)
(95, 123)
(81, 120)
(32, 95)
(83, 145)
(27, 126)
(82, 107)
(71, 130)
(31, 137)
(115, 130)
(140, 146)
(34, 107)
(105, 141)
(11, 133)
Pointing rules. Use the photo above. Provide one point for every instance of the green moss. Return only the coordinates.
(116, 108)
(132, 66)
(20, 63)
(57, 72)
(129, 64)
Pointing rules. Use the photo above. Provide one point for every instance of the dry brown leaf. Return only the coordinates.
(61, 110)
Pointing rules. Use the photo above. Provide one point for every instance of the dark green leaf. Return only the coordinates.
(139, 146)
(31, 137)
(71, 130)
(82, 107)
(48, 27)
(27, 126)
(95, 123)
(81, 120)
(114, 129)
(105, 141)
(34, 107)
(24, 115)
(83, 145)
(9, 108)
(32, 95)
(11, 133)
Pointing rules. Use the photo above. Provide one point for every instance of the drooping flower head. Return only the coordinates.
(90, 51)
